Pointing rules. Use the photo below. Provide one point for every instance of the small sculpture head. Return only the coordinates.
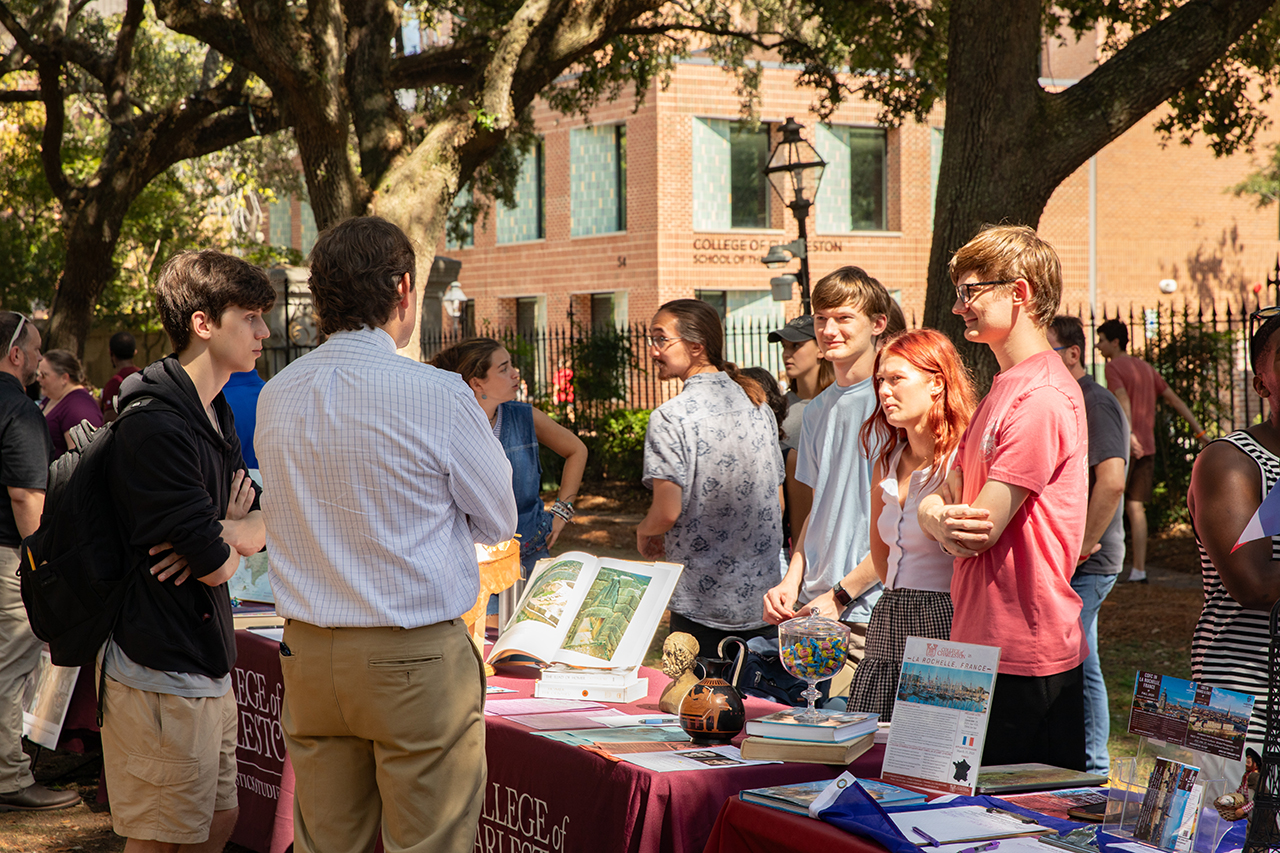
(679, 652)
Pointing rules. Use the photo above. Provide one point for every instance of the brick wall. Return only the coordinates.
(1161, 213)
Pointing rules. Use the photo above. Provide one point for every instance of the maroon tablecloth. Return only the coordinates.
(748, 828)
(545, 795)
(541, 795)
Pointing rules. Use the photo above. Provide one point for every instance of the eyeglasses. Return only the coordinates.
(1061, 348)
(659, 341)
(965, 291)
(22, 321)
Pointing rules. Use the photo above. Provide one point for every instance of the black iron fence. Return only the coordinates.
(585, 374)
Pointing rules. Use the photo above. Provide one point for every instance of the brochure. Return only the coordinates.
(1197, 716)
(586, 611)
(940, 715)
(1171, 807)
(710, 758)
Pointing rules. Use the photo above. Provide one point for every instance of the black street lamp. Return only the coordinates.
(794, 172)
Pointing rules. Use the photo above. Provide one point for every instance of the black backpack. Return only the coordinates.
(76, 568)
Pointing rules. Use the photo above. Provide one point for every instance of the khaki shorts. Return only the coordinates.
(170, 762)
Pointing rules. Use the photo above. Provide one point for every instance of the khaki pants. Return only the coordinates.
(385, 729)
(19, 654)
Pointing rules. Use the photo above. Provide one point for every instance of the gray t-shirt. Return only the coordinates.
(831, 461)
(723, 453)
(1108, 439)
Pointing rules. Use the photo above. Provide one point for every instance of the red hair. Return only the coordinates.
(930, 352)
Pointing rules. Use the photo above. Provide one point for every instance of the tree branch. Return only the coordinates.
(1174, 53)
(214, 26)
(19, 96)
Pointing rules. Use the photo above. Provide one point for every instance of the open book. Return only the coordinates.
(581, 610)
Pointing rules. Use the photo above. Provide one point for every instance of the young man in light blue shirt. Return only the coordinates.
(851, 310)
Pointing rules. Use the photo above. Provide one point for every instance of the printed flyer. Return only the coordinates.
(1197, 716)
(940, 715)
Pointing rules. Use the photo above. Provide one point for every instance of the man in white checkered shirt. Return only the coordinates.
(382, 473)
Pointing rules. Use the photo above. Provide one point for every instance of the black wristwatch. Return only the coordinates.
(842, 596)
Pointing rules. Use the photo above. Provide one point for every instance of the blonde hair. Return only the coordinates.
(1013, 252)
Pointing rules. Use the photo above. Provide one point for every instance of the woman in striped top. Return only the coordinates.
(1230, 478)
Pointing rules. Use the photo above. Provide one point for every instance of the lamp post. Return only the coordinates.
(794, 172)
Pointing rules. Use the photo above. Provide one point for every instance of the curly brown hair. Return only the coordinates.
(356, 266)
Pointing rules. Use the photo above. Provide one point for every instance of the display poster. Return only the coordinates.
(1197, 716)
(940, 715)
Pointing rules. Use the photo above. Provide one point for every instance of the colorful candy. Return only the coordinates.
(814, 658)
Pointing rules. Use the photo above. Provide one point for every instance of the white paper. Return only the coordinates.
(537, 705)
(561, 720)
(960, 822)
(706, 758)
(276, 634)
(940, 715)
(618, 719)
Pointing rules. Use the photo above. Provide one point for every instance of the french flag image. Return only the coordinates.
(965, 740)
(1265, 522)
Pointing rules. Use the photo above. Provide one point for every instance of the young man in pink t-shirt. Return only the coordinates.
(1012, 512)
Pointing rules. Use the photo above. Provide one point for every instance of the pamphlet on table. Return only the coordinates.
(1171, 807)
(586, 611)
(1014, 778)
(940, 715)
(706, 758)
(1186, 713)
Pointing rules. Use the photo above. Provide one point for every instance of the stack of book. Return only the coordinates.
(838, 738)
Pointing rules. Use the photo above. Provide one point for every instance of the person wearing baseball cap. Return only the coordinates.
(807, 374)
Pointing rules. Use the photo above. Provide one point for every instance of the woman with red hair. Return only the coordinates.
(926, 399)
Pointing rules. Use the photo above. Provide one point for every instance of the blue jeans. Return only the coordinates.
(1092, 589)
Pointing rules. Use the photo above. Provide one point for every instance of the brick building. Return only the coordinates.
(667, 200)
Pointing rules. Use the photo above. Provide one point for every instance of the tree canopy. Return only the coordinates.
(385, 125)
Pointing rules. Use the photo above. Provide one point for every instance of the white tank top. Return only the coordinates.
(915, 561)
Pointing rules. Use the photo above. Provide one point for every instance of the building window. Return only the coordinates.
(729, 187)
(525, 221)
(460, 233)
(715, 298)
(602, 314)
(309, 230)
(598, 176)
(854, 184)
(280, 221)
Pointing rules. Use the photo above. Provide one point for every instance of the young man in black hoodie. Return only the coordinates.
(189, 512)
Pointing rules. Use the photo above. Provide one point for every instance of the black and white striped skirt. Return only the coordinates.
(900, 613)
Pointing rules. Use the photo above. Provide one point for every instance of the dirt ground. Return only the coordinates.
(1145, 626)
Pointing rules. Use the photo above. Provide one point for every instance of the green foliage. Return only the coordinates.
(31, 249)
(617, 448)
(601, 358)
(1187, 354)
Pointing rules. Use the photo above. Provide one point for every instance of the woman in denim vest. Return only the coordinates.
(485, 365)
